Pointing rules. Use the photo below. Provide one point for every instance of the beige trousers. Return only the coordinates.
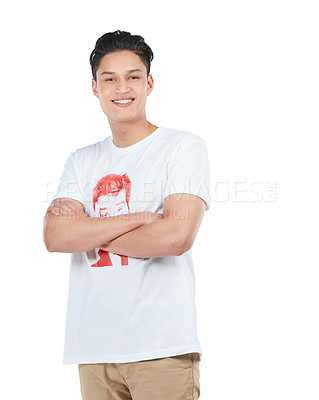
(170, 378)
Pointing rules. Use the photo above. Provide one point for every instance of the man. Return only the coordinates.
(128, 209)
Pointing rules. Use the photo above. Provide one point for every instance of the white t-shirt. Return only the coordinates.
(124, 309)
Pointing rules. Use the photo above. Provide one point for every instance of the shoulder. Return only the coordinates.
(90, 151)
(183, 137)
(92, 148)
(181, 143)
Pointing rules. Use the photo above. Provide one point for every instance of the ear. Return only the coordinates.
(94, 88)
(150, 84)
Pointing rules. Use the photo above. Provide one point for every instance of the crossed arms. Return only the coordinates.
(68, 229)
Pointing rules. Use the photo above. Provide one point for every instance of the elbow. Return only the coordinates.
(49, 243)
(50, 239)
(50, 249)
(54, 243)
(50, 233)
(181, 246)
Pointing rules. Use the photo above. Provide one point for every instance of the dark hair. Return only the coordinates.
(120, 40)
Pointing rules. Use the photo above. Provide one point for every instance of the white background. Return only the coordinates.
(244, 76)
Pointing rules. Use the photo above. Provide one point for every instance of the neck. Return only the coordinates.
(128, 133)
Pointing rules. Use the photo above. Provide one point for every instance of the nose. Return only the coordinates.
(122, 86)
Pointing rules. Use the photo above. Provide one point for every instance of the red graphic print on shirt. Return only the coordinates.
(111, 197)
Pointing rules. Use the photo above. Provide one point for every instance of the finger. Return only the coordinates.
(78, 210)
(65, 208)
(55, 212)
(54, 203)
(60, 209)
(69, 206)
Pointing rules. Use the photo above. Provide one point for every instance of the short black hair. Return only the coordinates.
(120, 40)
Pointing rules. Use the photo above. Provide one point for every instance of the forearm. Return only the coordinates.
(158, 239)
(74, 234)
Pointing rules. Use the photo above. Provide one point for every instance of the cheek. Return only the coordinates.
(141, 91)
(104, 92)
(142, 96)
(105, 102)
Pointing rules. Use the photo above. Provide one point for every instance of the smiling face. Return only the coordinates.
(122, 86)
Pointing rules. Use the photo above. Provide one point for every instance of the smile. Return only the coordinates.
(123, 102)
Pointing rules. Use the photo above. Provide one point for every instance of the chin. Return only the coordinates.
(122, 118)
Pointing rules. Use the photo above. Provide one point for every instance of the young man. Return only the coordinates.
(128, 209)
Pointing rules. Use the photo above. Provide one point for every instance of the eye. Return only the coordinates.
(134, 77)
(109, 79)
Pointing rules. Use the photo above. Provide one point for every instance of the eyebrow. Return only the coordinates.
(114, 73)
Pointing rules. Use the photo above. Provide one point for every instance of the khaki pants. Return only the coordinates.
(170, 378)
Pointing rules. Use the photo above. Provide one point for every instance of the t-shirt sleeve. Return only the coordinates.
(70, 182)
(189, 172)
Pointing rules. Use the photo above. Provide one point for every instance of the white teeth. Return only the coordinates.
(123, 101)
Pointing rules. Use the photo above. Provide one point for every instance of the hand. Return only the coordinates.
(66, 207)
